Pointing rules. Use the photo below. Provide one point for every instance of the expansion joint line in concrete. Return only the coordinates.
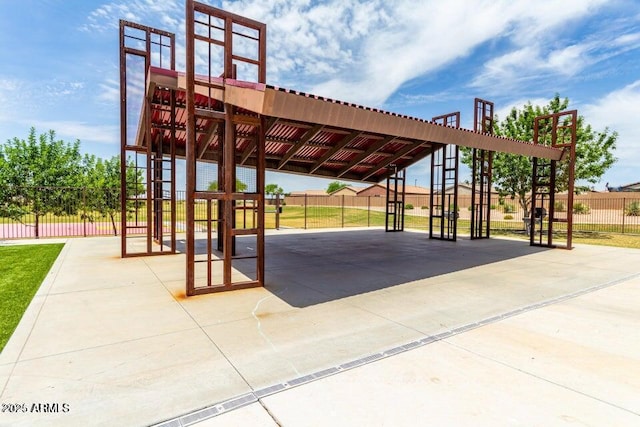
(256, 396)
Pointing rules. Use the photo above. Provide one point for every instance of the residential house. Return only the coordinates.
(380, 190)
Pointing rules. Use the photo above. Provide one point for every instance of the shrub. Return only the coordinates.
(493, 207)
(509, 209)
(559, 207)
(633, 209)
(408, 206)
(507, 217)
(424, 207)
(581, 208)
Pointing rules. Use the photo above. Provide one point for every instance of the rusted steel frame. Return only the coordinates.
(228, 185)
(376, 146)
(252, 145)
(209, 245)
(207, 138)
(145, 123)
(220, 204)
(145, 28)
(337, 147)
(156, 173)
(226, 158)
(396, 176)
(308, 136)
(401, 153)
(569, 149)
(209, 195)
(450, 120)
(387, 210)
(123, 143)
(432, 187)
(190, 148)
(230, 18)
(244, 232)
(455, 188)
(216, 289)
(213, 115)
(291, 106)
(415, 157)
(481, 172)
(403, 174)
(481, 189)
(572, 172)
(174, 215)
(538, 196)
(444, 150)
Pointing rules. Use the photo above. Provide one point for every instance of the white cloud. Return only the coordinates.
(9, 92)
(619, 111)
(364, 50)
(85, 132)
(627, 39)
(107, 16)
(569, 60)
(503, 111)
(539, 52)
(109, 91)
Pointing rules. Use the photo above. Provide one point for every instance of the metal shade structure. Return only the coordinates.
(207, 114)
(308, 134)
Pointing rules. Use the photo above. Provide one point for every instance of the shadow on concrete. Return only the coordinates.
(312, 268)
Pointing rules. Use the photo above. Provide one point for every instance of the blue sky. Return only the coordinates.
(60, 62)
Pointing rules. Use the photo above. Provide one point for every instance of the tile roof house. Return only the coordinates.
(347, 191)
(380, 190)
(625, 188)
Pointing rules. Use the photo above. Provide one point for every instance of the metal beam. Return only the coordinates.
(339, 146)
(308, 136)
(252, 144)
(361, 157)
(207, 139)
(406, 150)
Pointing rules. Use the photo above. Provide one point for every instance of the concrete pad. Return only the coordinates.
(5, 373)
(438, 385)
(130, 383)
(573, 362)
(80, 320)
(103, 274)
(287, 345)
(168, 267)
(330, 298)
(253, 415)
(590, 344)
(212, 309)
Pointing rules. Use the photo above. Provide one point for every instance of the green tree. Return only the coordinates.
(273, 189)
(33, 173)
(240, 186)
(335, 186)
(102, 187)
(512, 173)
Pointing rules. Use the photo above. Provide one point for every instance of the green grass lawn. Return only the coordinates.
(23, 267)
(589, 238)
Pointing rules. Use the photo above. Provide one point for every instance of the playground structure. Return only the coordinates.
(221, 111)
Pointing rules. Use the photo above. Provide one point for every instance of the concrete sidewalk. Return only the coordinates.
(116, 341)
(570, 363)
